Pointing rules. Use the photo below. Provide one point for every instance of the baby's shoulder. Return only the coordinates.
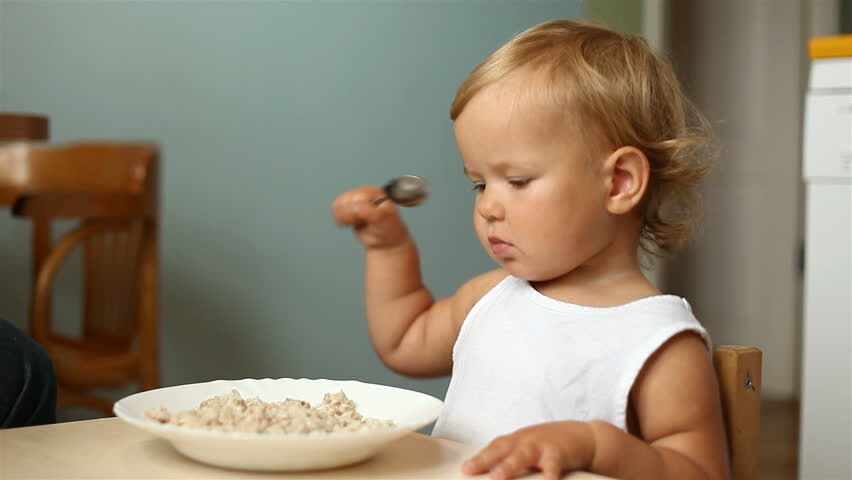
(474, 289)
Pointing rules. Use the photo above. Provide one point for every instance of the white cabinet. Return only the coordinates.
(826, 423)
(828, 136)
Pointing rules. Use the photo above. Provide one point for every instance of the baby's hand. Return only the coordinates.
(553, 448)
(377, 226)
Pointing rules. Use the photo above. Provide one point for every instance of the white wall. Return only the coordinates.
(743, 61)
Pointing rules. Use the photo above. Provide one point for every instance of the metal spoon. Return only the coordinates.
(407, 191)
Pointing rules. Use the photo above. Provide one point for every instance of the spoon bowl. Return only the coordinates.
(406, 190)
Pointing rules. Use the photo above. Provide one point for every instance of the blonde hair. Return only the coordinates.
(628, 94)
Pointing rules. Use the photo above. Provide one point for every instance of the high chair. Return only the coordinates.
(738, 370)
(112, 189)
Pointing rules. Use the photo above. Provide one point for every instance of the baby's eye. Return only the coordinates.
(478, 187)
(519, 182)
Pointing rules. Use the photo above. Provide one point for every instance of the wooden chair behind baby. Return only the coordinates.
(738, 370)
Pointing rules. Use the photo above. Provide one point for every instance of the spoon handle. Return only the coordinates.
(376, 201)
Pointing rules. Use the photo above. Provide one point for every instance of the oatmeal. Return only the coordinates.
(232, 413)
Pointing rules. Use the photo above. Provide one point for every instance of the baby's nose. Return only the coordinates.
(490, 207)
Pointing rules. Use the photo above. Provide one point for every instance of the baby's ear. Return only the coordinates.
(627, 171)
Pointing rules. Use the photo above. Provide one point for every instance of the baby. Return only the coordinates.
(584, 154)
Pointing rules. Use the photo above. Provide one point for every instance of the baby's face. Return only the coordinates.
(540, 208)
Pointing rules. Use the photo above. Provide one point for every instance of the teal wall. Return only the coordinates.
(264, 112)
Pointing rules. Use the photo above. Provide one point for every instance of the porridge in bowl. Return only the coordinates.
(209, 443)
(232, 413)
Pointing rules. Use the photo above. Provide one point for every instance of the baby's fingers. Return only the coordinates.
(550, 464)
(516, 463)
(368, 213)
(356, 206)
(489, 457)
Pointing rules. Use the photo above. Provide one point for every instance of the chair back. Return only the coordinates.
(98, 167)
(23, 127)
(738, 370)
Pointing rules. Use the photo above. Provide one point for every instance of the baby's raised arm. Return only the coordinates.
(411, 332)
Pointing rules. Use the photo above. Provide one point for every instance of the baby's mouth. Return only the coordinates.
(499, 247)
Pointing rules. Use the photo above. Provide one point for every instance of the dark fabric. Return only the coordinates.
(27, 380)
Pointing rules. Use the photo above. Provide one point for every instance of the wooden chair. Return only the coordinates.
(738, 370)
(23, 126)
(112, 188)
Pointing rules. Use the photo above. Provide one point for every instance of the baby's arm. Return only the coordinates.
(411, 332)
(681, 434)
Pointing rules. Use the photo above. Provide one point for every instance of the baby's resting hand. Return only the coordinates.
(553, 448)
(376, 226)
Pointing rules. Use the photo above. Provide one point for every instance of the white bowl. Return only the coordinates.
(277, 451)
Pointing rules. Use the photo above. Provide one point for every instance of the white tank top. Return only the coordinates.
(522, 358)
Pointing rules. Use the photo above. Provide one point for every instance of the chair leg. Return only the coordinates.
(68, 397)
